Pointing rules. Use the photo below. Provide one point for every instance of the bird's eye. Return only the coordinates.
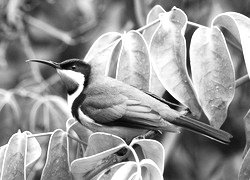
(73, 67)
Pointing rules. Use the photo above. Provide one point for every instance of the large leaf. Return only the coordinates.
(168, 53)
(2, 153)
(127, 171)
(57, 165)
(14, 161)
(107, 175)
(239, 26)
(212, 73)
(155, 85)
(149, 147)
(101, 147)
(152, 171)
(134, 65)
(33, 153)
(9, 115)
(49, 112)
(152, 16)
(101, 52)
(247, 132)
(244, 173)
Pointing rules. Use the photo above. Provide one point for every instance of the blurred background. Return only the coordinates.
(32, 97)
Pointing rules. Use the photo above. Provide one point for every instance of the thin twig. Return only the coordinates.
(148, 25)
(77, 139)
(107, 162)
(239, 82)
(51, 30)
(236, 46)
(40, 134)
(196, 25)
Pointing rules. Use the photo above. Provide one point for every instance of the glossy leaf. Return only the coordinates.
(57, 166)
(14, 160)
(133, 64)
(149, 147)
(126, 171)
(33, 153)
(107, 175)
(50, 112)
(2, 153)
(100, 146)
(9, 115)
(152, 16)
(152, 171)
(112, 66)
(247, 132)
(244, 173)
(239, 26)
(100, 53)
(212, 73)
(168, 53)
(82, 132)
(155, 86)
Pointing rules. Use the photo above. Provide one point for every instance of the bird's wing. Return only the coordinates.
(120, 110)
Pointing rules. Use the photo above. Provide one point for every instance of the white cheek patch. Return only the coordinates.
(78, 78)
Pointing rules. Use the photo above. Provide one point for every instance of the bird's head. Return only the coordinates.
(73, 72)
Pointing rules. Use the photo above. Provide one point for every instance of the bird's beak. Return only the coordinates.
(50, 63)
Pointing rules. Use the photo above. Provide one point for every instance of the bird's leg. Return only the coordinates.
(150, 134)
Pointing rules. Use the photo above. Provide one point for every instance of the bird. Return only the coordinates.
(104, 104)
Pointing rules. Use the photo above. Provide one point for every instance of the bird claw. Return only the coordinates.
(149, 135)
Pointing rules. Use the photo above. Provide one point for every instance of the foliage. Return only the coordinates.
(153, 58)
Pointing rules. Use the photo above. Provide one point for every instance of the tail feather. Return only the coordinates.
(203, 129)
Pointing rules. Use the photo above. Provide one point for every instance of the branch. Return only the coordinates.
(239, 82)
(106, 163)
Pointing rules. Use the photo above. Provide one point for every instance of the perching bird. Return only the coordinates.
(104, 104)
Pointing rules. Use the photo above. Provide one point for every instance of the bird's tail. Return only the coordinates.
(203, 129)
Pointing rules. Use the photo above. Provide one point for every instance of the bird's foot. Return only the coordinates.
(150, 134)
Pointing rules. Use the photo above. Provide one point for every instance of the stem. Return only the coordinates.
(40, 134)
(148, 25)
(239, 82)
(77, 140)
(107, 162)
(196, 25)
(51, 30)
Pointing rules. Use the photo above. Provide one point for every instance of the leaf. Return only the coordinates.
(2, 153)
(149, 147)
(168, 55)
(109, 173)
(239, 26)
(33, 153)
(247, 132)
(126, 171)
(244, 173)
(49, 112)
(152, 16)
(156, 86)
(100, 146)
(77, 130)
(212, 73)
(9, 123)
(152, 172)
(57, 165)
(15, 158)
(83, 132)
(100, 53)
(134, 65)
